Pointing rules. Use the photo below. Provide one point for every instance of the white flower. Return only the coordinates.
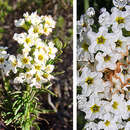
(13, 62)
(26, 50)
(119, 3)
(38, 80)
(41, 45)
(19, 23)
(19, 79)
(82, 25)
(24, 61)
(120, 19)
(26, 16)
(52, 50)
(108, 123)
(91, 126)
(40, 56)
(82, 101)
(26, 39)
(127, 127)
(47, 30)
(106, 93)
(49, 68)
(105, 19)
(117, 106)
(102, 10)
(116, 84)
(49, 21)
(127, 110)
(36, 29)
(82, 51)
(90, 81)
(94, 108)
(27, 76)
(101, 40)
(19, 37)
(6, 68)
(34, 19)
(37, 67)
(3, 58)
(90, 11)
(120, 43)
(107, 60)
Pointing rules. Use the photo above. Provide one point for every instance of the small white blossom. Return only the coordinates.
(119, 3)
(107, 60)
(90, 11)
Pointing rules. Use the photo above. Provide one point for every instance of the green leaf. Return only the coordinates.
(50, 92)
(7, 122)
(58, 73)
(2, 30)
(16, 92)
(125, 32)
(36, 126)
(86, 5)
(16, 111)
(16, 102)
(58, 43)
(60, 22)
(50, 62)
(18, 116)
(47, 111)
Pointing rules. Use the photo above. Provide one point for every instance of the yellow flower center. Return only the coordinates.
(107, 123)
(85, 46)
(38, 78)
(120, 20)
(36, 30)
(2, 60)
(101, 40)
(25, 60)
(50, 51)
(128, 107)
(45, 75)
(95, 108)
(45, 29)
(107, 58)
(27, 40)
(89, 80)
(44, 49)
(115, 105)
(14, 63)
(118, 43)
(84, 25)
(28, 76)
(40, 57)
(48, 22)
(37, 67)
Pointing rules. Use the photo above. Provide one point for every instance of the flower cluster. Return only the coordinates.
(33, 63)
(105, 78)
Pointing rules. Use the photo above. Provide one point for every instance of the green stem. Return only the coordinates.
(3, 83)
(86, 5)
(31, 94)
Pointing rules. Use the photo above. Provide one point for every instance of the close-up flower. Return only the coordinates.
(103, 83)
